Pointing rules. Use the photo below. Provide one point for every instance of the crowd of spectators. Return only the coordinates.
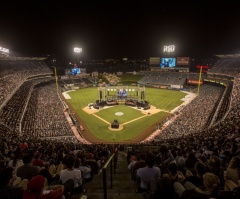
(15, 72)
(190, 160)
(31, 158)
(44, 115)
(194, 116)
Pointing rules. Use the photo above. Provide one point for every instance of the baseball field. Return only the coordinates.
(135, 124)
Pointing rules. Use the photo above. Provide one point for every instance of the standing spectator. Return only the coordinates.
(133, 160)
(37, 161)
(27, 171)
(16, 161)
(148, 173)
(71, 173)
(166, 156)
(191, 161)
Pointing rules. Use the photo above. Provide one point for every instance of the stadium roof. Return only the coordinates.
(229, 56)
(23, 58)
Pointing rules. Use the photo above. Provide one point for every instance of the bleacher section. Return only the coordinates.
(15, 72)
(226, 65)
(167, 78)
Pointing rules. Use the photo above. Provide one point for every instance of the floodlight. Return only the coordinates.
(4, 50)
(77, 50)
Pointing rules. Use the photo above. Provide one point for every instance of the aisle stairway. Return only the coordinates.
(123, 187)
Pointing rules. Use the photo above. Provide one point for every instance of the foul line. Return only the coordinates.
(123, 123)
(101, 118)
(134, 119)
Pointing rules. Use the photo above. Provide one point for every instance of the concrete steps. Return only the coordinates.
(123, 187)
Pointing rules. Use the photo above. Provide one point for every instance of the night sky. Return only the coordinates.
(117, 29)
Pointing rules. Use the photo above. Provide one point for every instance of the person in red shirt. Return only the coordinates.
(37, 188)
(37, 161)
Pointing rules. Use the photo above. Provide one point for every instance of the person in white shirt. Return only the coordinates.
(133, 160)
(148, 173)
(16, 161)
(70, 172)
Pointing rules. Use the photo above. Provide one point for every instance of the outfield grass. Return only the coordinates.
(129, 78)
(162, 99)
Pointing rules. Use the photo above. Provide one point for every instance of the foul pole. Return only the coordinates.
(56, 78)
(199, 79)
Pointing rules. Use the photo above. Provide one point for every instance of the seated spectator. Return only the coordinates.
(51, 179)
(190, 162)
(173, 174)
(86, 170)
(7, 190)
(168, 179)
(197, 179)
(37, 188)
(231, 191)
(233, 170)
(190, 191)
(215, 166)
(27, 171)
(90, 161)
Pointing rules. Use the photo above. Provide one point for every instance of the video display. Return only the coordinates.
(75, 71)
(168, 62)
(122, 93)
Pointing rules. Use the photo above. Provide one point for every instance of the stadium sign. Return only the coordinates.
(183, 61)
(169, 49)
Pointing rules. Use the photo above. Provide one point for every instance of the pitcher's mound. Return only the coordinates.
(114, 129)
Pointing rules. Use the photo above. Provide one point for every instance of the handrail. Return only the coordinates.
(109, 161)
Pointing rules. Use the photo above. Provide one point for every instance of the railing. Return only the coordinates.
(113, 158)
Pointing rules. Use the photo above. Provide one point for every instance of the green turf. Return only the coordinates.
(163, 99)
(129, 78)
(128, 113)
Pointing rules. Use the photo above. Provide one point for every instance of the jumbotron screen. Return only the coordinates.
(167, 62)
(75, 71)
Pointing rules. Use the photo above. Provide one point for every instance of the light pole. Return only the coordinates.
(56, 78)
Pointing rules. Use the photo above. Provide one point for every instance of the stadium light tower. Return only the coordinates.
(77, 51)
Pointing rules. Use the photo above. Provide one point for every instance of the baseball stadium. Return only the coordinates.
(110, 124)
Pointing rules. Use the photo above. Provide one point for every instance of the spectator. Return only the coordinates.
(190, 191)
(233, 170)
(17, 160)
(150, 172)
(37, 188)
(196, 177)
(7, 190)
(27, 171)
(37, 161)
(71, 173)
